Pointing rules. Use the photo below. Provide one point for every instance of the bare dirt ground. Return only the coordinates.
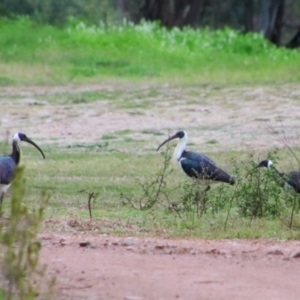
(234, 118)
(111, 267)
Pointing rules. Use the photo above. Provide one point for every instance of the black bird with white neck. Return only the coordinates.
(197, 165)
(290, 181)
(8, 163)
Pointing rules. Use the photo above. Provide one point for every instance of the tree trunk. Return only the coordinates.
(187, 12)
(271, 20)
(157, 10)
(184, 12)
(249, 13)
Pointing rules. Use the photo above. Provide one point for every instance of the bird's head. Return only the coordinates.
(179, 134)
(265, 163)
(19, 136)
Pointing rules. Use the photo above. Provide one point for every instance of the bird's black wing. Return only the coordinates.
(293, 179)
(7, 166)
(200, 166)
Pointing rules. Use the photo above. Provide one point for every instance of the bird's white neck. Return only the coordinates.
(270, 164)
(17, 138)
(180, 148)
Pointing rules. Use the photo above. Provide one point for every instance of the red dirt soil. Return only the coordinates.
(130, 268)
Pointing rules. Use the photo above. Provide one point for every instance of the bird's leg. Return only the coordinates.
(196, 201)
(1, 198)
(205, 197)
(204, 200)
(298, 203)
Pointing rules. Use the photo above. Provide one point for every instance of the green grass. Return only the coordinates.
(141, 98)
(77, 98)
(43, 54)
(69, 174)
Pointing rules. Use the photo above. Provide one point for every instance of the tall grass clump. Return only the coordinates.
(21, 275)
(85, 53)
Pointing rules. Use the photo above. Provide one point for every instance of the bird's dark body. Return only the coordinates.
(291, 179)
(7, 166)
(198, 165)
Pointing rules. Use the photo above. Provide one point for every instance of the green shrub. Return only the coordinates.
(20, 247)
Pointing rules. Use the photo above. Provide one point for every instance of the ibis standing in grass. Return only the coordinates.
(197, 165)
(290, 181)
(9, 162)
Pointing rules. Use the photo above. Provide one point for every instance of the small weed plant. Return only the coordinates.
(152, 191)
(20, 247)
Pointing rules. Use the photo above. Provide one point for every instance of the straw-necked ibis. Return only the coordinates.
(195, 164)
(290, 181)
(9, 162)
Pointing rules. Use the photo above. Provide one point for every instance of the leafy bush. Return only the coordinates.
(258, 195)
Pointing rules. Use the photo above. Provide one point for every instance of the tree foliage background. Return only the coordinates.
(277, 19)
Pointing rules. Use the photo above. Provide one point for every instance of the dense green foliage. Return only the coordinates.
(47, 54)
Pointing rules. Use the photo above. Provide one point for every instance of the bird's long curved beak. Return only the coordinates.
(28, 140)
(167, 140)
